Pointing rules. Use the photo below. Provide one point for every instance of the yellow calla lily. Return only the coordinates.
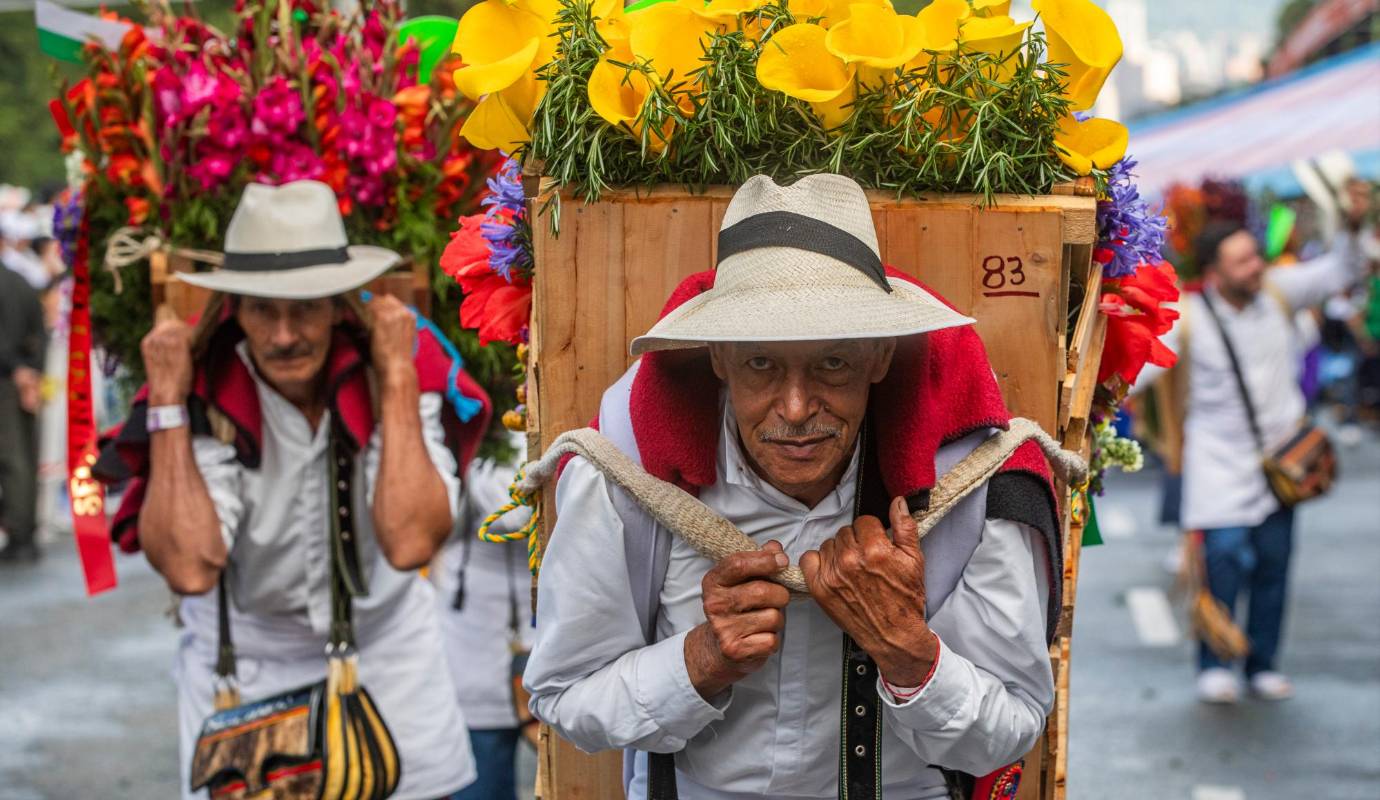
(612, 26)
(499, 43)
(725, 11)
(617, 93)
(804, 10)
(1092, 143)
(995, 35)
(1083, 37)
(940, 22)
(991, 8)
(671, 37)
(876, 37)
(795, 62)
(835, 112)
(494, 125)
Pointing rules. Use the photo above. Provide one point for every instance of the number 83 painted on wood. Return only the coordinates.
(1000, 272)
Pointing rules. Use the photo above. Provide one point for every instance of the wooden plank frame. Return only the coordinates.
(604, 278)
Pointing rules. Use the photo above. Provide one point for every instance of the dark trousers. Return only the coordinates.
(18, 466)
(1257, 560)
(495, 755)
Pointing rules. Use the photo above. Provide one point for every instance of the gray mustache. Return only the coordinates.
(810, 430)
(286, 353)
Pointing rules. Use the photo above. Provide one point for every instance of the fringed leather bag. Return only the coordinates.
(324, 741)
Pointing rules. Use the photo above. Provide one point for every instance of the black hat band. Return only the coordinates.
(797, 231)
(292, 259)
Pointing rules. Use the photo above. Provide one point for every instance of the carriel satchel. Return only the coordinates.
(1302, 468)
(324, 741)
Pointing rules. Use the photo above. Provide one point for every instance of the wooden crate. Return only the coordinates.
(604, 278)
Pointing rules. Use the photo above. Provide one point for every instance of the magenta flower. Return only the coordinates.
(212, 169)
(277, 111)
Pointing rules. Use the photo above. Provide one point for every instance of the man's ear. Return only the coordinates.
(716, 356)
(881, 365)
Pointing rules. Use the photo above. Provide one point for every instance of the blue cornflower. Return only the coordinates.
(1127, 228)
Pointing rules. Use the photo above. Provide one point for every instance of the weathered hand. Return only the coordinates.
(167, 351)
(392, 335)
(874, 589)
(744, 614)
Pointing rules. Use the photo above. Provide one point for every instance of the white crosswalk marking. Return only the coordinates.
(1152, 616)
(1205, 792)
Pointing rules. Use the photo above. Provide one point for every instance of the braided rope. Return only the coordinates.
(714, 537)
(517, 498)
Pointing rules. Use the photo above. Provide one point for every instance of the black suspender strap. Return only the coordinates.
(860, 718)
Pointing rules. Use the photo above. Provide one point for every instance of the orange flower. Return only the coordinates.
(138, 210)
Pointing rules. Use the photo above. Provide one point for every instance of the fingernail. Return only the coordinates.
(781, 560)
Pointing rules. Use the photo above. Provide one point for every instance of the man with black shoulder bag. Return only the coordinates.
(1250, 452)
(292, 462)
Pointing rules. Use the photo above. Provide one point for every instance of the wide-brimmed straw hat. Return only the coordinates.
(289, 242)
(799, 263)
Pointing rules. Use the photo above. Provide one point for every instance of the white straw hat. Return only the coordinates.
(289, 242)
(799, 263)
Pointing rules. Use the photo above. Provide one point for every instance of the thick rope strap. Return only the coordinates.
(715, 538)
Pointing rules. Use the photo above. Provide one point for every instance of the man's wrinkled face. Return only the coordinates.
(799, 406)
(289, 340)
(1239, 267)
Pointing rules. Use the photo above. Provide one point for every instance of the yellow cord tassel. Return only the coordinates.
(518, 499)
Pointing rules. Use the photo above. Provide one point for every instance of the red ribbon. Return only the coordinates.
(87, 494)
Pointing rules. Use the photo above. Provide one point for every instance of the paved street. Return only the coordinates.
(86, 701)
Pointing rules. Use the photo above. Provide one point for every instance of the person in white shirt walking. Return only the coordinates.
(1247, 534)
(830, 394)
(234, 448)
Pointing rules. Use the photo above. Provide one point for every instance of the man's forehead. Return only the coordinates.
(825, 347)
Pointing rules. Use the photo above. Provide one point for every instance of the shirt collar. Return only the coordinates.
(735, 470)
(281, 416)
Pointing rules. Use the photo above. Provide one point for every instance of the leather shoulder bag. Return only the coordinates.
(323, 741)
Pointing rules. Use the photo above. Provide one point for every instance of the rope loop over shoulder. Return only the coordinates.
(714, 537)
(517, 498)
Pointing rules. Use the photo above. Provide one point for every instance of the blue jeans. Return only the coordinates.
(1256, 559)
(495, 755)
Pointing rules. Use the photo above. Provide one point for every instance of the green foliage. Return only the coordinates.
(963, 123)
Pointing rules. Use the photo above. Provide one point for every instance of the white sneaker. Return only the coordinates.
(1219, 686)
(1271, 685)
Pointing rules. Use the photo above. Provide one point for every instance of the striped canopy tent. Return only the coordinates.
(1256, 134)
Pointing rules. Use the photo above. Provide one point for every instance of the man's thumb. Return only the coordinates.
(904, 532)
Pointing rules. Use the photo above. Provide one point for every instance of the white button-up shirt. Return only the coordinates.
(776, 732)
(276, 526)
(479, 639)
(1223, 483)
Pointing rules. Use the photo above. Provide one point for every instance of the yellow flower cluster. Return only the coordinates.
(834, 48)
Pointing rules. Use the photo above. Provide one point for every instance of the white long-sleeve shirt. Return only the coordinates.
(776, 732)
(275, 523)
(1223, 484)
(478, 637)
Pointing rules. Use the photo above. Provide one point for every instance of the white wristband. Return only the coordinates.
(162, 418)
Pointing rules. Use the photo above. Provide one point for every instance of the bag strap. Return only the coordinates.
(347, 580)
(1236, 372)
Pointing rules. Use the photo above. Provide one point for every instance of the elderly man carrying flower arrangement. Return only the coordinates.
(811, 399)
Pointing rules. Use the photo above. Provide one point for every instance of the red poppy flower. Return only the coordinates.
(1137, 318)
(497, 309)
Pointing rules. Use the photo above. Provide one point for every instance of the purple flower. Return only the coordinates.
(506, 213)
(1129, 232)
